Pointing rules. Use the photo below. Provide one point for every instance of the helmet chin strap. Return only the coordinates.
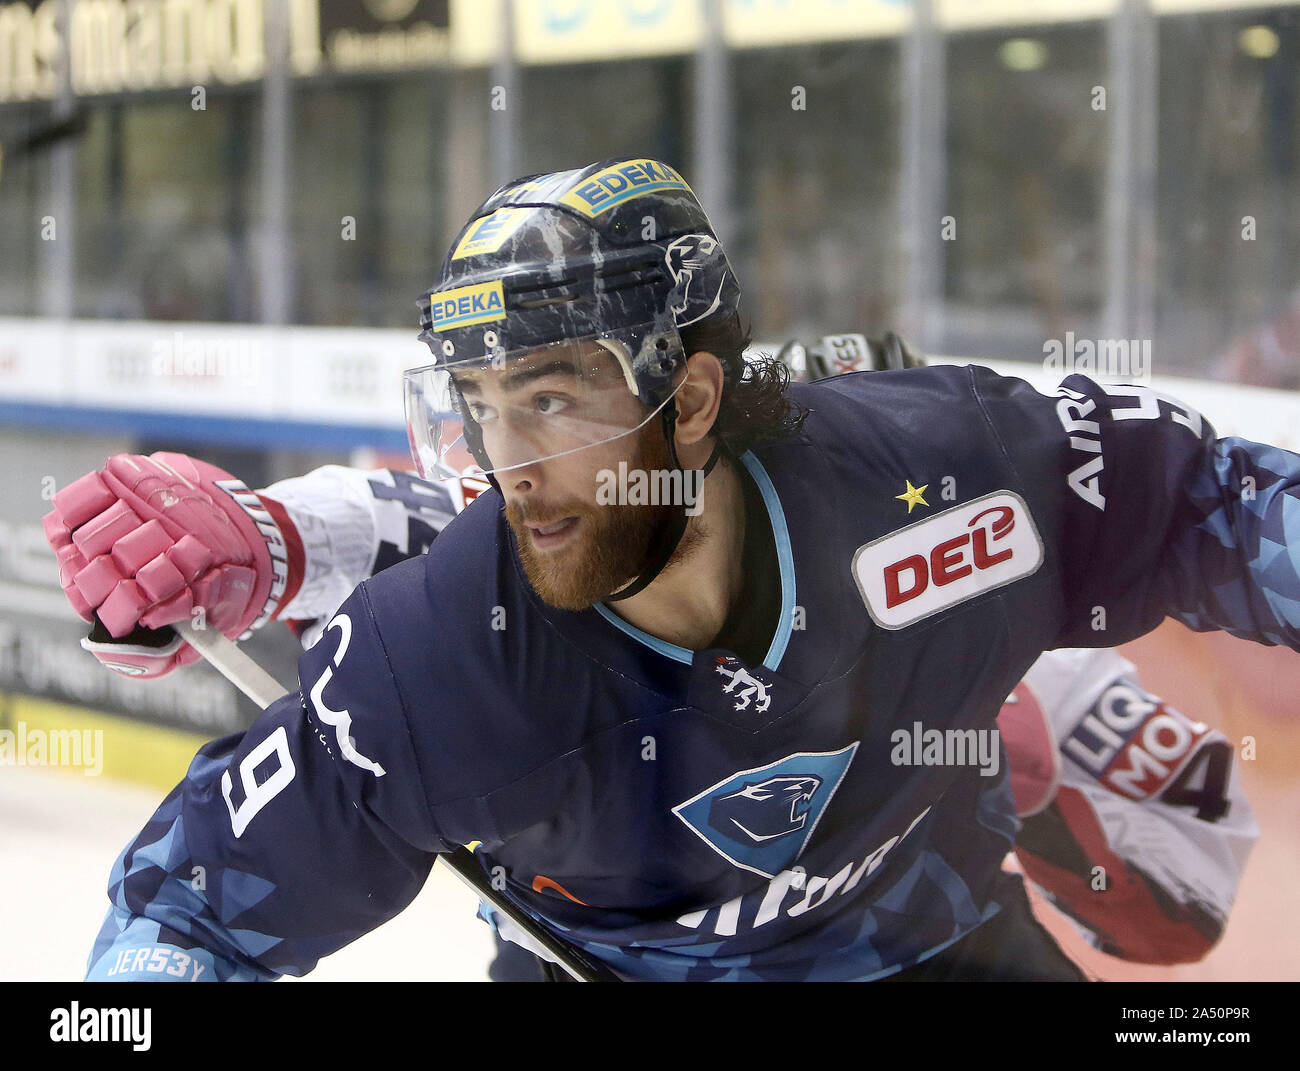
(670, 534)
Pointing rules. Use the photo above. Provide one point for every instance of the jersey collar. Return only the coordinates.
(785, 560)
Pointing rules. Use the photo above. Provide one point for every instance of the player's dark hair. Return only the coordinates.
(754, 408)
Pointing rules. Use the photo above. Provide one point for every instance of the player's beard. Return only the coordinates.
(612, 544)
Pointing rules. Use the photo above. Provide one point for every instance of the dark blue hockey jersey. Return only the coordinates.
(830, 813)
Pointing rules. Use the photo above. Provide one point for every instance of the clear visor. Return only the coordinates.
(523, 408)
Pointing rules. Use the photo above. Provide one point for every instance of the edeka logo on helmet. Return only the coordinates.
(468, 305)
(554, 329)
(617, 183)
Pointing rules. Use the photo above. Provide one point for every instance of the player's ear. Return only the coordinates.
(699, 398)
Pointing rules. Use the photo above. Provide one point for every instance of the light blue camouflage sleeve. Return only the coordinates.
(1247, 547)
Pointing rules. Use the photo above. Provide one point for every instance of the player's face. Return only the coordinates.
(574, 549)
(549, 402)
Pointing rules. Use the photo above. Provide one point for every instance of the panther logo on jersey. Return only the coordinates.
(765, 810)
(761, 819)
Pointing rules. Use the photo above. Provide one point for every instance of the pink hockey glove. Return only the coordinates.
(148, 541)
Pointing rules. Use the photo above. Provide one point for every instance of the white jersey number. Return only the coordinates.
(257, 796)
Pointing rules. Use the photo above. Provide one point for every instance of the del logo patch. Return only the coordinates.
(760, 819)
(930, 566)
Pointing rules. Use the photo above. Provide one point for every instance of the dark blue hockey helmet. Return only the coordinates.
(579, 280)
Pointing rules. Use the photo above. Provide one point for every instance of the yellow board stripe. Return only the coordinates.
(131, 750)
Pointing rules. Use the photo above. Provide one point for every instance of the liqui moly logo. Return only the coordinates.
(944, 560)
(1132, 743)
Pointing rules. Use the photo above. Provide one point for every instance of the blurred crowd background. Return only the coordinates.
(1115, 168)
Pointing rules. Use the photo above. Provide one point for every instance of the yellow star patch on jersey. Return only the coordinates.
(912, 496)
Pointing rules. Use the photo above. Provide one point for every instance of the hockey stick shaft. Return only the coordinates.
(233, 664)
(263, 689)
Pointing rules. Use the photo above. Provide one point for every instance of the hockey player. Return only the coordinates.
(773, 792)
(1171, 868)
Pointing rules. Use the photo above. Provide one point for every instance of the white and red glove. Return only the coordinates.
(149, 541)
(1133, 818)
(1033, 761)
